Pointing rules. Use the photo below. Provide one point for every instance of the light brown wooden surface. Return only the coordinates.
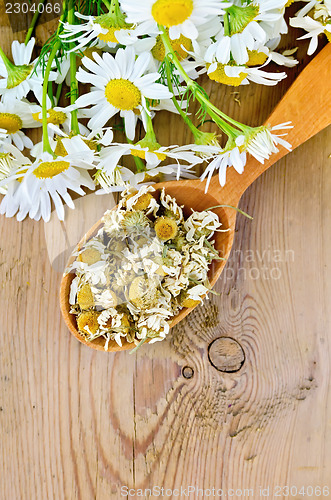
(79, 424)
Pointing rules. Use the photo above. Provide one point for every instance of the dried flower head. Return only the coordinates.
(135, 219)
(143, 202)
(87, 322)
(143, 293)
(89, 256)
(85, 298)
(165, 228)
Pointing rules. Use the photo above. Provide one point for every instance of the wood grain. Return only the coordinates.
(79, 424)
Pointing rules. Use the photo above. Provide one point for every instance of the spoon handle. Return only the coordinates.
(307, 104)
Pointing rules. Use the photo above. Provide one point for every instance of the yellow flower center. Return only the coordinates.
(11, 123)
(85, 297)
(19, 179)
(328, 35)
(140, 153)
(122, 94)
(256, 58)
(288, 3)
(110, 35)
(60, 150)
(158, 50)
(93, 145)
(172, 12)
(88, 319)
(165, 228)
(49, 169)
(143, 201)
(220, 76)
(187, 302)
(54, 117)
(89, 256)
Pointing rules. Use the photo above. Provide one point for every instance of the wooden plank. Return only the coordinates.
(79, 424)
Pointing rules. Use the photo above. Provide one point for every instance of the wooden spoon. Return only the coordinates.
(307, 104)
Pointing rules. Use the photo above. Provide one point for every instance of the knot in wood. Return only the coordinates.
(226, 354)
(187, 372)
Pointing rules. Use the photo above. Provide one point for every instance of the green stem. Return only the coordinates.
(58, 93)
(135, 349)
(229, 206)
(33, 22)
(196, 132)
(139, 164)
(138, 161)
(73, 69)
(114, 8)
(50, 93)
(150, 129)
(46, 144)
(107, 4)
(56, 46)
(212, 110)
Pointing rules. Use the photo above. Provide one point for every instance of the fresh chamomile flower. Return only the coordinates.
(149, 151)
(94, 139)
(14, 116)
(181, 17)
(261, 54)
(229, 157)
(263, 141)
(59, 117)
(12, 183)
(321, 23)
(162, 173)
(121, 85)
(110, 28)
(117, 180)
(45, 180)
(8, 164)
(243, 26)
(194, 64)
(21, 77)
(230, 74)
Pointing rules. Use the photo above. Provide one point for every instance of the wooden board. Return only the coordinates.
(81, 424)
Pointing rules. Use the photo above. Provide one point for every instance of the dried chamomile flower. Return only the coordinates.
(124, 325)
(135, 219)
(87, 322)
(85, 298)
(143, 292)
(186, 301)
(179, 241)
(89, 256)
(106, 298)
(165, 228)
(109, 318)
(112, 220)
(142, 200)
(201, 224)
(172, 209)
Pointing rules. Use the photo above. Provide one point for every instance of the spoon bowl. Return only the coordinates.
(307, 105)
